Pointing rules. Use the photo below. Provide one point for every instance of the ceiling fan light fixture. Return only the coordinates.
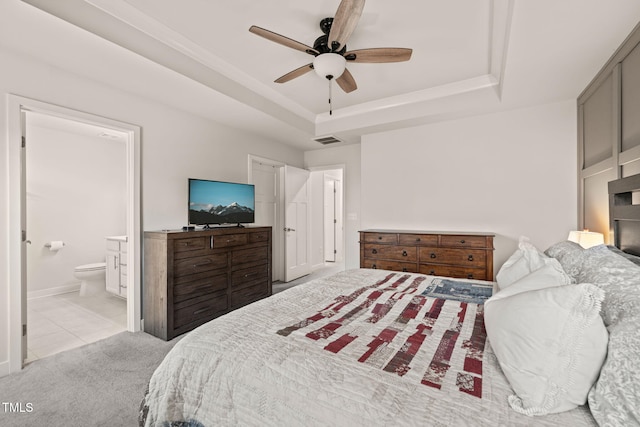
(329, 65)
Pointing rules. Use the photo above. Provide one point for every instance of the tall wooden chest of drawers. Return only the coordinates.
(452, 254)
(191, 277)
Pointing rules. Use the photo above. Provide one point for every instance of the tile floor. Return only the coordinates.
(62, 322)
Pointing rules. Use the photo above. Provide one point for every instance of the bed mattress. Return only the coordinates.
(363, 347)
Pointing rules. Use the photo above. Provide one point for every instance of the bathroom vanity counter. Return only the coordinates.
(116, 265)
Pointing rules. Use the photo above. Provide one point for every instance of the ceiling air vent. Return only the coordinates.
(329, 139)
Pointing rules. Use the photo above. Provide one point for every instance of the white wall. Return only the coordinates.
(175, 146)
(76, 192)
(349, 156)
(512, 173)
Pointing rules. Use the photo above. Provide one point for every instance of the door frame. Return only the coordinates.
(17, 291)
(341, 214)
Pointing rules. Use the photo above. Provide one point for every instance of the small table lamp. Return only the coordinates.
(586, 238)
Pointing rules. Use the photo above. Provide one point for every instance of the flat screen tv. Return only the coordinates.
(219, 202)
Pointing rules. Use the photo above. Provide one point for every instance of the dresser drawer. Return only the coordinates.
(262, 236)
(192, 244)
(227, 240)
(410, 267)
(399, 253)
(381, 238)
(242, 256)
(246, 276)
(198, 264)
(202, 283)
(418, 239)
(199, 309)
(249, 294)
(462, 257)
(463, 241)
(453, 271)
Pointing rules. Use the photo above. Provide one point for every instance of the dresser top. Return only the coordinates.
(453, 233)
(213, 231)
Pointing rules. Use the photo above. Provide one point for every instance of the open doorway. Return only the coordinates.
(268, 177)
(20, 239)
(76, 222)
(327, 218)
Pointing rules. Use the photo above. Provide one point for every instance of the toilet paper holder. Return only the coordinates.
(48, 245)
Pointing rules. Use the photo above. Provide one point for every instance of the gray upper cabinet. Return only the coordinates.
(608, 133)
(598, 124)
(631, 100)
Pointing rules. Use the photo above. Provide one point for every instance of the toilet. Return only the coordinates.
(92, 277)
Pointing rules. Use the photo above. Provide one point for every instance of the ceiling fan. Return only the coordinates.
(330, 49)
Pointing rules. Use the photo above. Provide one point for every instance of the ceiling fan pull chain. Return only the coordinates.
(330, 105)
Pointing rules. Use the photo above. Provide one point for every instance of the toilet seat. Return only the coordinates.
(91, 267)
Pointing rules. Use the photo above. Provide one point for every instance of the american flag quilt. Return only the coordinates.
(428, 328)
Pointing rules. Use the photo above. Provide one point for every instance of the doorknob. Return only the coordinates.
(289, 229)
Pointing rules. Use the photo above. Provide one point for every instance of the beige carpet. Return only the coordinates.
(100, 384)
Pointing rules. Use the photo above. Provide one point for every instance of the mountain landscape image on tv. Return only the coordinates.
(219, 202)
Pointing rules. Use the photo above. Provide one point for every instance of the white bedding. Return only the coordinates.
(363, 347)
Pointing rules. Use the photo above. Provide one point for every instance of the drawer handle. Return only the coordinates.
(202, 310)
(202, 264)
(374, 266)
(186, 243)
(462, 241)
(432, 255)
(404, 253)
(432, 272)
(251, 274)
(379, 237)
(404, 269)
(470, 258)
(470, 276)
(374, 251)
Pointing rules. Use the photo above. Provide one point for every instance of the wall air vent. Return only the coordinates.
(329, 139)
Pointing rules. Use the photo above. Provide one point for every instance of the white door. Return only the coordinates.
(266, 179)
(296, 223)
(329, 220)
(25, 241)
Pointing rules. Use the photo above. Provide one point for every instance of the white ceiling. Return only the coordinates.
(469, 57)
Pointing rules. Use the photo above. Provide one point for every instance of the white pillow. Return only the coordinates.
(525, 259)
(547, 276)
(550, 344)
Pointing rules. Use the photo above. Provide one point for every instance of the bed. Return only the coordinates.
(376, 347)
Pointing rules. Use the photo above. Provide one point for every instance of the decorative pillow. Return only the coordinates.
(550, 344)
(548, 276)
(525, 259)
(614, 399)
(633, 258)
(618, 277)
(570, 255)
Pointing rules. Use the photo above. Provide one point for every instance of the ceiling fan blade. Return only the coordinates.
(346, 82)
(286, 41)
(379, 55)
(345, 21)
(295, 73)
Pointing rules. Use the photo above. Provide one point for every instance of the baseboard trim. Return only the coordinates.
(74, 287)
(4, 369)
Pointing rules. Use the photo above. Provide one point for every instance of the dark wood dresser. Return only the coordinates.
(191, 277)
(437, 253)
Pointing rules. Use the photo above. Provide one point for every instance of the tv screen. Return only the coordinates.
(218, 202)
